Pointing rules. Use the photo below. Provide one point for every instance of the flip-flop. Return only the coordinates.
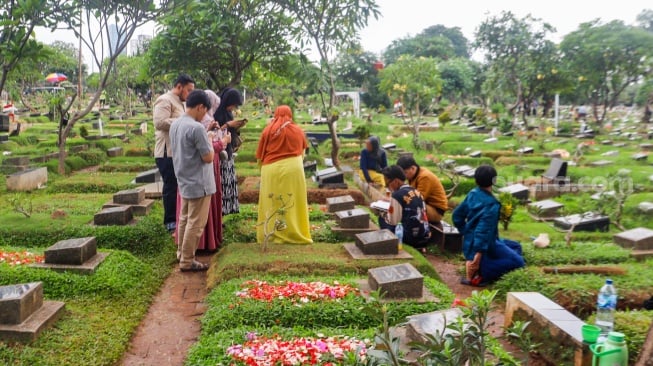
(196, 267)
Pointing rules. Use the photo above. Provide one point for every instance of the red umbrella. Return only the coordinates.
(56, 77)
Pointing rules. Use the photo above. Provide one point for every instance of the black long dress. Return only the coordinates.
(228, 97)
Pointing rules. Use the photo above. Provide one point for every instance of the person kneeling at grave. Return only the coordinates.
(429, 185)
(406, 207)
(477, 218)
(372, 161)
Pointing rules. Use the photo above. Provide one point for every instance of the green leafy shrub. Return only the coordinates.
(137, 152)
(83, 131)
(494, 155)
(93, 156)
(76, 162)
(53, 167)
(576, 254)
(444, 117)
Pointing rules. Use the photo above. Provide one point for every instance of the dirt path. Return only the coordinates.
(172, 324)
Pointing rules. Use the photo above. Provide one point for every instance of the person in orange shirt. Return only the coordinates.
(428, 185)
(280, 152)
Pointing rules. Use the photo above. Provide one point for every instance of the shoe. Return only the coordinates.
(196, 266)
(477, 281)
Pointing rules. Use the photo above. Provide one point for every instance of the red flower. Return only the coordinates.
(295, 291)
(20, 258)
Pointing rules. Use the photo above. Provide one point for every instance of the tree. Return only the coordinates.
(18, 21)
(329, 26)
(457, 76)
(605, 59)
(510, 45)
(225, 39)
(416, 82)
(105, 19)
(436, 41)
(354, 68)
(645, 20)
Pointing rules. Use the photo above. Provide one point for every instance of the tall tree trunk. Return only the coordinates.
(3, 79)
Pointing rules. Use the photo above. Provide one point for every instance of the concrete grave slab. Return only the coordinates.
(583, 222)
(129, 196)
(121, 215)
(149, 176)
(27, 180)
(353, 219)
(639, 238)
(340, 203)
(397, 281)
(422, 325)
(141, 209)
(381, 242)
(519, 191)
(71, 251)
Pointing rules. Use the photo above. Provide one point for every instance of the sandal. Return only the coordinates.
(196, 266)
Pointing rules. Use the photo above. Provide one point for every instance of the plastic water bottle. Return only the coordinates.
(605, 307)
(399, 233)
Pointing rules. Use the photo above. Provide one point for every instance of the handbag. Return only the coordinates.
(236, 141)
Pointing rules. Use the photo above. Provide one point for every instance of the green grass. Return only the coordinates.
(248, 260)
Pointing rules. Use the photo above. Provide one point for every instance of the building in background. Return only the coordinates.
(114, 40)
(138, 45)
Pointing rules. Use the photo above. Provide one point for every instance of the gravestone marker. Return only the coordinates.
(552, 154)
(557, 172)
(611, 153)
(640, 156)
(491, 140)
(27, 180)
(18, 302)
(453, 239)
(475, 154)
(583, 222)
(423, 325)
(353, 219)
(149, 176)
(519, 191)
(601, 195)
(606, 142)
(397, 281)
(638, 239)
(379, 242)
(341, 203)
(525, 150)
(389, 146)
(408, 154)
(469, 173)
(601, 163)
(121, 215)
(24, 314)
(449, 163)
(620, 144)
(129, 196)
(645, 207)
(4, 138)
(114, 151)
(71, 251)
(461, 169)
(333, 178)
(310, 166)
(546, 208)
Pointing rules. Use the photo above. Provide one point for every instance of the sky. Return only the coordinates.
(401, 18)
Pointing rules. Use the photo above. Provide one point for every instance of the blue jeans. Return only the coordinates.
(505, 257)
(169, 191)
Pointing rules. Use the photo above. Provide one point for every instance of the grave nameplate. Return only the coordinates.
(379, 242)
(640, 156)
(114, 151)
(611, 153)
(449, 163)
(606, 142)
(353, 219)
(461, 169)
(129, 196)
(600, 163)
(121, 215)
(546, 208)
(423, 325)
(324, 172)
(620, 144)
(519, 191)
(525, 150)
(333, 178)
(469, 173)
(4, 123)
(310, 166)
(583, 222)
(71, 251)
(639, 239)
(341, 203)
(475, 154)
(398, 281)
(557, 171)
(508, 134)
(453, 240)
(407, 154)
(645, 207)
(552, 154)
(149, 176)
(390, 146)
(491, 140)
(18, 302)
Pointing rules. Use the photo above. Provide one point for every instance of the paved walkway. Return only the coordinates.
(172, 324)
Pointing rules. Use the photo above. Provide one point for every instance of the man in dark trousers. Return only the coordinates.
(167, 108)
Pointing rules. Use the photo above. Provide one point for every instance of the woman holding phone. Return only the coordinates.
(231, 99)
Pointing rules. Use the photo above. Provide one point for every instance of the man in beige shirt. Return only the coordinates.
(167, 108)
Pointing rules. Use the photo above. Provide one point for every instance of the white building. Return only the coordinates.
(138, 45)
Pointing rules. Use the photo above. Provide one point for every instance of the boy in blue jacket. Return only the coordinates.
(477, 219)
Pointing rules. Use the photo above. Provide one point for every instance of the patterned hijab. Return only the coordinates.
(215, 103)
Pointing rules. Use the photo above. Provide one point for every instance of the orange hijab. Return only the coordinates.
(281, 139)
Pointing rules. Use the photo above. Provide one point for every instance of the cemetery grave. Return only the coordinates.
(81, 194)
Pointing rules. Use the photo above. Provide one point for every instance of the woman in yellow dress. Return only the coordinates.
(282, 203)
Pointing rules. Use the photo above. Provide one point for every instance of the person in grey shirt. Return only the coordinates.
(192, 154)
